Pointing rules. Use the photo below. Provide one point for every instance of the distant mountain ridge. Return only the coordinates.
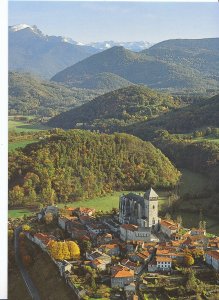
(154, 67)
(135, 46)
(32, 51)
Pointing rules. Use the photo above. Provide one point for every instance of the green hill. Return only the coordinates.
(183, 120)
(120, 108)
(147, 67)
(104, 81)
(200, 54)
(77, 164)
(30, 95)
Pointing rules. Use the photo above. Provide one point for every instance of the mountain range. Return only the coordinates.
(32, 51)
(133, 46)
(173, 64)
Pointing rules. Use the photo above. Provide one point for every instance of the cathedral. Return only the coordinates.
(139, 210)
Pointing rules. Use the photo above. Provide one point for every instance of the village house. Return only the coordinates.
(121, 276)
(104, 238)
(152, 266)
(98, 255)
(99, 264)
(110, 249)
(97, 228)
(198, 231)
(54, 210)
(64, 266)
(141, 257)
(213, 243)
(84, 211)
(197, 241)
(130, 232)
(130, 290)
(136, 267)
(43, 240)
(112, 225)
(212, 259)
(164, 263)
(168, 227)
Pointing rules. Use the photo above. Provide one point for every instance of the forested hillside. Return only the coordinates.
(75, 164)
(117, 109)
(201, 54)
(29, 95)
(188, 119)
(155, 67)
(104, 81)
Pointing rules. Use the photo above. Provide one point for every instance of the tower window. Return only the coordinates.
(153, 207)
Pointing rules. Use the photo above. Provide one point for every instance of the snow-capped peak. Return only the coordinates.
(19, 27)
(71, 41)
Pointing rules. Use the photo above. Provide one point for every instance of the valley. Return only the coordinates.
(113, 165)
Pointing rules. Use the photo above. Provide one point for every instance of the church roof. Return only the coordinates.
(135, 197)
(150, 194)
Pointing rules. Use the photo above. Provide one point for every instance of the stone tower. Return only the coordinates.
(151, 208)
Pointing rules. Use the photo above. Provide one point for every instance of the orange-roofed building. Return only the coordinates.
(164, 263)
(169, 227)
(212, 258)
(121, 277)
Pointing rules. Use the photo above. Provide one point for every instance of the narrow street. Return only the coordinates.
(29, 284)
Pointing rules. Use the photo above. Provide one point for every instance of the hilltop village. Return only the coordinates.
(126, 253)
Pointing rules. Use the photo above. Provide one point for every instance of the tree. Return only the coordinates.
(16, 195)
(26, 227)
(73, 249)
(188, 260)
(179, 220)
(65, 251)
(48, 218)
(168, 216)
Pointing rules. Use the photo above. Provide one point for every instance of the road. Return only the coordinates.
(29, 284)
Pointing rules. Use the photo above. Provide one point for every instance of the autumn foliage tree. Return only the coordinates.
(64, 250)
(188, 260)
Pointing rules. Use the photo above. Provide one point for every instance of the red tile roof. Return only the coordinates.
(214, 254)
(163, 259)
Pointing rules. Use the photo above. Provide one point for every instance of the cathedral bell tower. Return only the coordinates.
(151, 208)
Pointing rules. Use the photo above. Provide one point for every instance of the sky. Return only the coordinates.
(118, 21)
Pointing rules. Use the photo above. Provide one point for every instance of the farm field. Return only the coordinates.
(19, 144)
(19, 213)
(21, 126)
(207, 139)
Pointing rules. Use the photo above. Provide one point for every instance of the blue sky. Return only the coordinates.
(118, 21)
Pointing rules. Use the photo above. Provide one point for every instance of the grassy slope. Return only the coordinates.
(20, 126)
(190, 182)
(19, 144)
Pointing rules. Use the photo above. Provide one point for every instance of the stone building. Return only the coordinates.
(139, 210)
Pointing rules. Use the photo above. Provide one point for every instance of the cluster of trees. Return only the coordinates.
(195, 156)
(205, 132)
(64, 250)
(118, 108)
(78, 164)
